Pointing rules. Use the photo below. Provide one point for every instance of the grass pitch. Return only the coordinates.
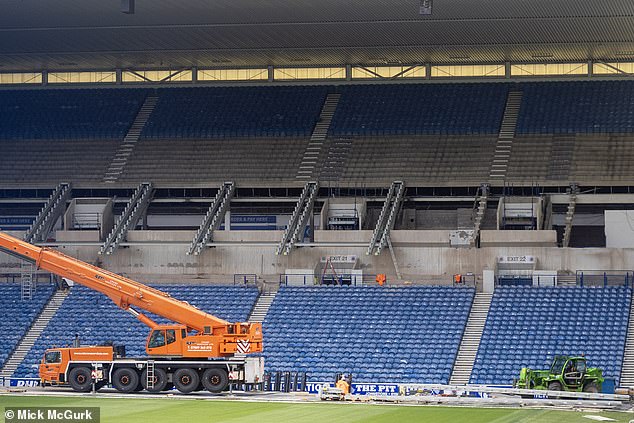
(132, 410)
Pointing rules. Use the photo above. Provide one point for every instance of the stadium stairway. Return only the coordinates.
(502, 156)
(29, 338)
(134, 133)
(461, 372)
(627, 370)
(261, 307)
(318, 138)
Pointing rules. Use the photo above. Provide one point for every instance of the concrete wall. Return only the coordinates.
(518, 238)
(416, 263)
(421, 255)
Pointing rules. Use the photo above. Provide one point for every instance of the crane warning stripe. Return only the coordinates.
(243, 346)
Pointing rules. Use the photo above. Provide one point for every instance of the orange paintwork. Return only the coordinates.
(49, 372)
(213, 336)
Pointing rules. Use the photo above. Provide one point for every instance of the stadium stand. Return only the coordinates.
(582, 157)
(83, 313)
(19, 314)
(526, 327)
(241, 159)
(62, 114)
(378, 334)
(236, 112)
(419, 158)
(577, 107)
(53, 161)
(419, 109)
(437, 133)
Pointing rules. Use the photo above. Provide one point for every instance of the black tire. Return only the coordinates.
(125, 380)
(186, 380)
(215, 380)
(80, 379)
(591, 387)
(555, 386)
(160, 380)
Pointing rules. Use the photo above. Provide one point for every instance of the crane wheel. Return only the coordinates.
(80, 379)
(186, 380)
(591, 387)
(125, 380)
(555, 386)
(215, 380)
(160, 380)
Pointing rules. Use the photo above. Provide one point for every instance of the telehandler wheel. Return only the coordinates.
(125, 380)
(215, 380)
(186, 380)
(555, 386)
(591, 387)
(160, 380)
(79, 379)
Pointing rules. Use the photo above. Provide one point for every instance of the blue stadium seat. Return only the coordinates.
(527, 327)
(379, 334)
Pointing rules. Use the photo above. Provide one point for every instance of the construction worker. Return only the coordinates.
(343, 385)
(380, 279)
(457, 278)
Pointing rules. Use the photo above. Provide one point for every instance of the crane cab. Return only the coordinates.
(166, 340)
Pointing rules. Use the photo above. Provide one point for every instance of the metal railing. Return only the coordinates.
(245, 279)
(605, 278)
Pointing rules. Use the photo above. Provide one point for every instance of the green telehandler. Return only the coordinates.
(565, 374)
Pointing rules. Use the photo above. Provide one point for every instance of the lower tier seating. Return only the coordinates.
(96, 320)
(378, 334)
(19, 314)
(527, 327)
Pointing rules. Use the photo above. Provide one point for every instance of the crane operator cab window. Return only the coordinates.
(157, 339)
(53, 357)
(160, 338)
(170, 336)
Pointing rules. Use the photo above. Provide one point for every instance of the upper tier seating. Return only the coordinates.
(18, 314)
(527, 327)
(408, 109)
(75, 113)
(378, 334)
(437, 159)
(96, 319)
(218, 160)
(231, 112)
(52, 162)
(577, 107)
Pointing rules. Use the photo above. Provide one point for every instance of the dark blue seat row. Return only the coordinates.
(68, 113)
(235, 112)
(410, 109)
(577, 107)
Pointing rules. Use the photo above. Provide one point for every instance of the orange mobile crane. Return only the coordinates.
(198, 352)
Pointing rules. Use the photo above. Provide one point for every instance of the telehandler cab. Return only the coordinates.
(565, 374)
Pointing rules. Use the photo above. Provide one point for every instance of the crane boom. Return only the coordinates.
(122, 291)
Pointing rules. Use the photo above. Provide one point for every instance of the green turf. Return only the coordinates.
(131, 410)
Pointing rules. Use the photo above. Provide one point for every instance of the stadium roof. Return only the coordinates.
(95, 34)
